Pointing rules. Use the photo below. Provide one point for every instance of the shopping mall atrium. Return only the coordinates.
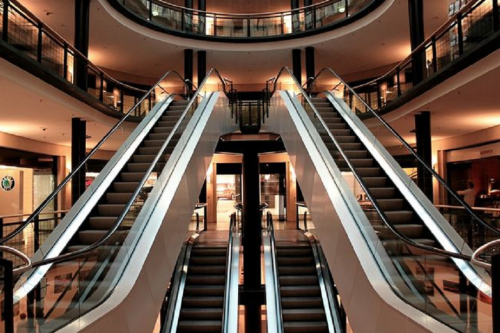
(280, 166)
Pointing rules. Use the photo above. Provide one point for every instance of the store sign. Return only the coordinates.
(8, 183)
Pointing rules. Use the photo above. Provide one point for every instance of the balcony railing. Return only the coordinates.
(172, 18)
(30, 37)
(468, 30)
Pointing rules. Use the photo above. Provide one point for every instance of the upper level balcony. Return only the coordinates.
(259, 27)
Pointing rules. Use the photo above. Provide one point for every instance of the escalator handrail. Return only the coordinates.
(129, 204)
(63, 183)
(326, 284)
(178, 286)
(412, 152)
(26, 260)
(365, 188)
(275, 273)
(480, 250)
(230, 325)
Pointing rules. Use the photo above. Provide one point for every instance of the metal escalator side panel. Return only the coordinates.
(325, 284)
(178, 287)
(445, 234)
(70, 224)
(231, 294)
(148, 258)
(364, 281)
(273, 299)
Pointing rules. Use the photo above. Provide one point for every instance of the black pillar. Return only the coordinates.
(78, 129)
(188, 3)
(188, 66)
(417, 37)
(251, 234)
(424, 150)
(82, 28)
(251, 227)
(294, 4)
(297, 64)
(202, 5)
(202, 66)
(310, 64)
(308, 3)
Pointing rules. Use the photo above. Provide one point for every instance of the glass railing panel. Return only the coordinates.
(228, 27)
(356, 6)
(477, 25)
(405, 79)
(138, 7)
(330, 13)
(22, 32)
(93, 82)
(429, 60)
(270, 26)
(166, 17)
(52, 55)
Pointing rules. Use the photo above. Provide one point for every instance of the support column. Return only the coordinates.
(188, 66)
(297, 64)
(82, 32)
(417, 37)
(78, 129)
(294, 4)
(424, 150)
(251, 234)
(202, 66)
(310, 64)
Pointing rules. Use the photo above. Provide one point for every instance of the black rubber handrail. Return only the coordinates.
(78, 253)
(44, 204)
(365, 188)
(412, 152)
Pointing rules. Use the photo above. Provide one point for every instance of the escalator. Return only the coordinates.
(356, 191)
(115, 232)
(300, 293)
(204, 295)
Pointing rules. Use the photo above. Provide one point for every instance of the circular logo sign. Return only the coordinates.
(8, 183)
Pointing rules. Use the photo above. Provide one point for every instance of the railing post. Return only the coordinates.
(40, 43)
(495, 285)
(305, 221)
(282, 24)
(5, 21)
(150, 10)
(101, 88)
(8, 292)
(65, 62)
(249, 31)
(36, 232)
(121, 100)
(205, 226)
(460, 35)
(346, 8)
(298, 217)
(434, 54)
(398, 82)
(197, 222)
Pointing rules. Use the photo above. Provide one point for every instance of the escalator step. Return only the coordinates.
(202, 302)
(298, 280)
(110, 209)
(143, 158)
(143, 167)
(153, 143)
(209, 252)
(369, 172)
(317, 314)
(125, 187)
(205, 326)
(206, 279)
(118, 198)
(392, 204)
(206, 260)
(161, 130)
(291, 261)
(204, 290)
(206, 269)
(374, 181)
(305, 327)
(201, 314)
(346, 139)
(297, 270)
(396, 217)
(300, 291)
(301, 302)
(87, 237)
(294, 252)
(383, 192)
